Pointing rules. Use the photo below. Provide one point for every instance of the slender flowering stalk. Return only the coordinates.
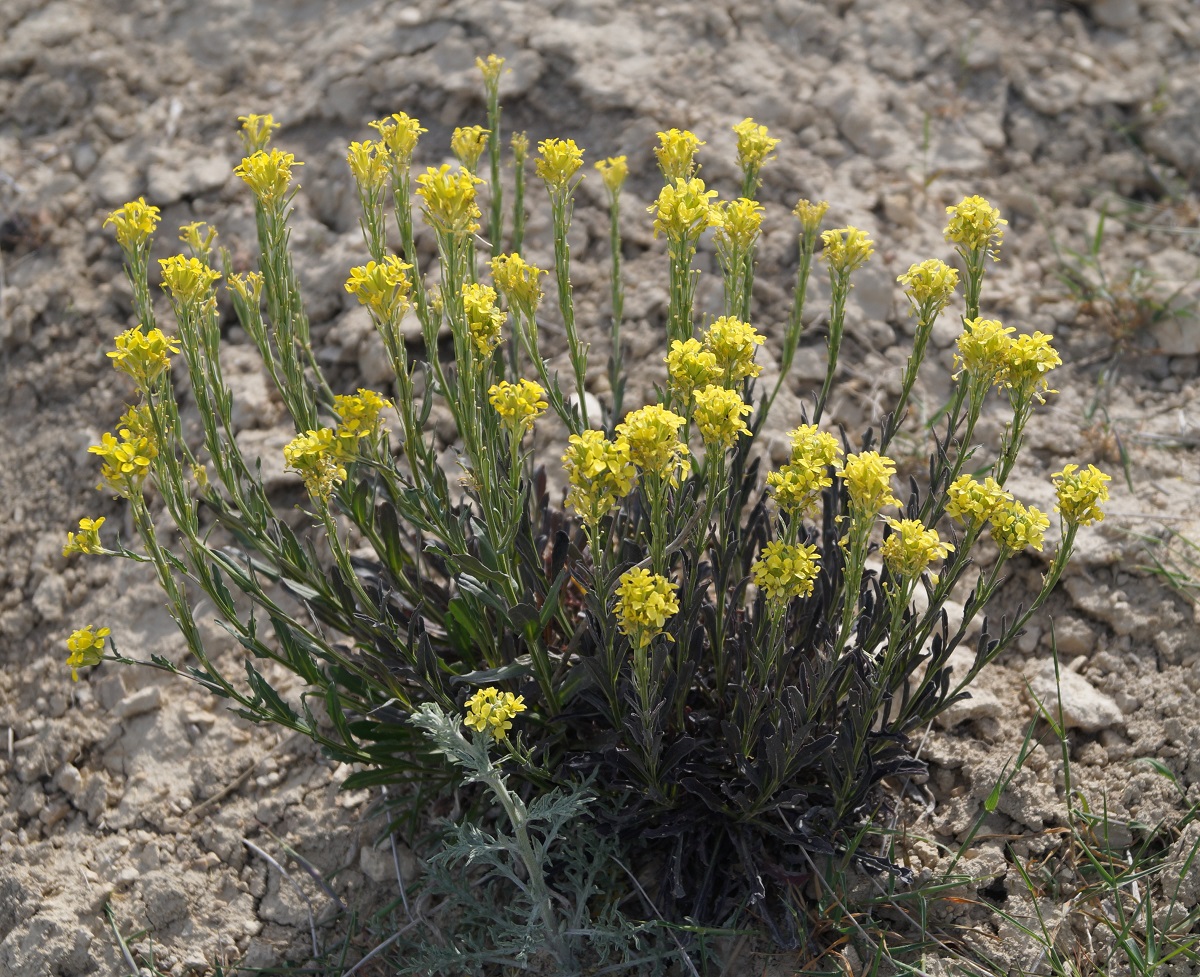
(810, 216)
(846, 250)
(683, 211)
(520, 148)
(491, 70)
(134, 226)
(754, 148)
(613, 172)
(975, 227)
(371, 168)
(736, 240)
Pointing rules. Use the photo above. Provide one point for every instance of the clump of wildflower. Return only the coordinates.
(718, 414)
(358, 418)
(846, 249)
(689, 367)
(929, 285)
(314, 457)
(490, 710)
(520, 403)
(868, 478)
(983, 349)
(1080, 494)
(369, 165)
(733, 343)
(613, 172)
(87, 540)
(600, 474)
(740, 223)
(798, 485)
(484, 317)
(972, 503)
(134, 223)
(382, 286)
(189, 280)
(1027, 361)
(518, 281)
(676, 154)
(784, 571)
(255, 132)
(490, 69)
(144, 356)
(1015, 527)
(910, 548)
(126, 462)
(754, 146)
(652, 434)
(268, 174)
(86, 647)
(645, 601)
(810, 216)
(399, 133)
(248, 286)
(468, 143)
(450, 205)
(559, 160)
(975, 225)
(684, 209)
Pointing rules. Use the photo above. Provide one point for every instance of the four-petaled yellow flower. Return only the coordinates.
(733, 343)
(86, 647)
(268, 174)
(1014, 527)
(783, 571)
(740, 223)
(490, 710)
(600, 474)
(518, 281)
(559, 160)
(929, 285)
(846, 249)
(689, 367)
(189, 280)
(87, 540)
(358, 417)
(754, 145)
(369, 164)
(520, 403)
(134, 223)
(645, 601)
(613, 172)
(126, 462)
(868, 479)
(676, 154)
(399, 133)
(910, 548)
(382, 286)
(683, 210)
(484, 317)
(810, 216)
(975, 225)
(1080, 494)
(468, 143)
(450, 206)
(652, 434)
(972, 503)
(983, 349)
(1027, 360)
(718, 414)
(255, 132)
(143, 355)
(314, 456)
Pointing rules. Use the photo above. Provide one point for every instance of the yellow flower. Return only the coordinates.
(134, 223)
(929, 285)
(972, 503)
(689, 367)
(314, 457)
(492, 710)
(1027, 360)
(468, 143)
(868, 478)
(484, 319)
(517, 280)
(201, 246)
(815, 448)
(450, 205)
(676, 153)
(783, 571)
(975, 225)
(645, 601)
(399, 133)
(613, 172)
(560, 159)
(86, 647)
(248, 286)
(490, 69)
(143, 355)
(358, 417)
(910, 548)
(733, 343)
(382, 286)
(369, 165)
(87, 540)
(1080, 495)
(189, 280)
(754, 146)
(1014, 527)
(683, 210)
(846, 249)
(983, 348)
(268, 174)
(256, 131)
(718, 414)
(652, 434)
(126, 462)
(810, 216)
(740, 223)
(797, 486)
(518, 403)
(520, 146)
(599, 472)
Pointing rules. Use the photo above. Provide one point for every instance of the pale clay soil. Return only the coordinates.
(890, 109)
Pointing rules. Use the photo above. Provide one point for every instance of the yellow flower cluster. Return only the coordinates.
(783, 571)
(910, 548)
(268, 174)
(490, 69)
(754, 146)
(972, 503)
(1080, 494)
(983, 348)
(652, 434)
(314, 456)
(559, 160)
(689, 367)
(846, 249)
(868, 478)
(975, 225)
(134, 223)
(358, 417)
(143, 355)
(810, 216)
(256, 131)
(683, 210)
(86, 647)
(399, 133)
(189, 280)
(492, 710)
(645, 601)
(676, 154)
(733, 343)
(450, 205)
(797, 485)
(468, 143)
(1026, 362)
(126, 462)
(520, 403)
(518, 282)
(929, 285)
(87, 540)
(382, 286)
(1014, 527)
(484, 317)
(740, 223)
(248, 286)
(613, 172)
(718, 414)
(600, 474)
(369, 164)
(201, 245)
